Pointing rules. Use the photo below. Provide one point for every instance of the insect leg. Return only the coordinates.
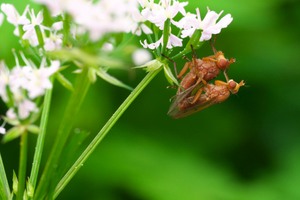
(197, 96)
(184, 69)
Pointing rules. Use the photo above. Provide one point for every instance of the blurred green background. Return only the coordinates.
(247, 148)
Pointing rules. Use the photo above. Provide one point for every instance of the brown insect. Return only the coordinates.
(210, 94)
(202, 70)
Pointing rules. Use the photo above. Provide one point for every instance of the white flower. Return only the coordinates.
(138, 25)
(4, 80)
(14, 17)
(53, 42)
(2, 129)
(25, 108)
(208, 25)
(38, 79)
(141, 56)
(173, 41)
(30, 32)
(159, 13)
(11, 115)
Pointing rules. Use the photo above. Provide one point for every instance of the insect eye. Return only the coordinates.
(232, 84)
(223, 64)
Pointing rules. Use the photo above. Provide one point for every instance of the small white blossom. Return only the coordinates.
(159, 13)
(173, 41)
(11, 115)
(208, 25)
(141, 56)
(4, 80)
(26, 107)
(38, 79)
(14, 17)
(30, 32)
(2, 130)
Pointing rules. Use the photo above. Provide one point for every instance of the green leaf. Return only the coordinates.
(15, 183)
(13, 133)
(29, 189)
(4, 187)
(64, 81)
(107, 77)
(169, 75)
(33, 129)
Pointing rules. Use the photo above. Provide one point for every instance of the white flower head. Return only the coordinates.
(208, 25)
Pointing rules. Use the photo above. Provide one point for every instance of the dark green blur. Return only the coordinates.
(247, 148)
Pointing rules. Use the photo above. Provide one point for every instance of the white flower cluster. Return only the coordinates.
(159, 13)
(21, 86)
(98, 18)
(29, 23)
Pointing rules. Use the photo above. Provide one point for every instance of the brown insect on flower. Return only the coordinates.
(200, 72)
(210, 94)
(203, 70)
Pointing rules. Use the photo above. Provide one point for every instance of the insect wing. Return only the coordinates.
(193, 108)
(179, 98)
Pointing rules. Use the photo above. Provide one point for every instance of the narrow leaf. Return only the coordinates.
(33, 129)
(15, 183)
(13, 133)
(4, 187)
(64, 81)
(169, 75)
(112, 80)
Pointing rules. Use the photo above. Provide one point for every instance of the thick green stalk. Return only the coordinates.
(22, 166)
(4, 187)
(166, 34)
(40, 140)
(50, 172)
(109, 124)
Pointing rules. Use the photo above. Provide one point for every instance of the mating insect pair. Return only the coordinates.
(194, 93)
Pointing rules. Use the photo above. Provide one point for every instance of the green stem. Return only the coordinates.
(22, 166)
(41, 139)
(4, 187)
(166, 34)
(194, 41)
(109, 124)
(49, 175)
